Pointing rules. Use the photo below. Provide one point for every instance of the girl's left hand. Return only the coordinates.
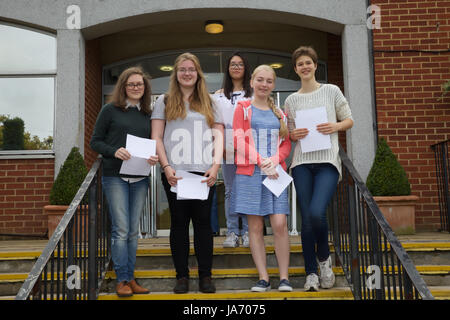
(328, 127)
(153, 160)
(211, 176)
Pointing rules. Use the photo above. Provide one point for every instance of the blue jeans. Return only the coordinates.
(315, 185)
(126, 202)
(229, 172)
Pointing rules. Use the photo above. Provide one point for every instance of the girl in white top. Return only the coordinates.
(236, 87)
(316, 173)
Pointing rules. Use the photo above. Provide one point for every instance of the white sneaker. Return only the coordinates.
(326, 274)
(312, 282)
(245, 240)
(232, 241)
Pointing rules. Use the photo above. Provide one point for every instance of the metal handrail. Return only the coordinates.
(75, 260)
(366, 247)
(441, 157)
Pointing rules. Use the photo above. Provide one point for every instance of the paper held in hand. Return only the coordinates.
(140, 149)
(190, 187)
(309, 119)
(277, 186)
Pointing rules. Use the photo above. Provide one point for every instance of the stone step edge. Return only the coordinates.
(339, 293)
(223, 273)
(439, 292)
(295, 248)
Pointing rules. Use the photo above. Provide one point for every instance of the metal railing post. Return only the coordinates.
(92, 241)
(355, 271)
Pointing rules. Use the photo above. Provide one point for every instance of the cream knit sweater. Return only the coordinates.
(330, 97)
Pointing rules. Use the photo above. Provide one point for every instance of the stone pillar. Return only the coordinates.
(358, 90)
(69, 108)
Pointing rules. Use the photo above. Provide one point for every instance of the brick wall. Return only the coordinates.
(412, 61)
(93, 96)
(24, 190)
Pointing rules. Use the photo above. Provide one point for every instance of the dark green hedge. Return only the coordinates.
(69, 179)
(387, 177)
(13, 134)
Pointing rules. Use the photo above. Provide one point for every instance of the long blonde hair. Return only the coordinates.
(200, 100)
(270, 102)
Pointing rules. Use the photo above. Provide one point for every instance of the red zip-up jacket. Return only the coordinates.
(246, 154)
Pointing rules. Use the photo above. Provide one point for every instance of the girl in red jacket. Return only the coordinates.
(262, 143)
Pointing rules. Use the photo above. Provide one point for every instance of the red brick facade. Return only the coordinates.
(412, 61)
(24, 190)
(93, 96)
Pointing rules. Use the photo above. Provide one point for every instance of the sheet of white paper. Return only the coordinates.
(192, 188)
(135, 166)
(185, 175)
(277, 186)
(309, 119)
(140, 147)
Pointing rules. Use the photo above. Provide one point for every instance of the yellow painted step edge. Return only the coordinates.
(335, 293)
(225, 273)
(419, 246)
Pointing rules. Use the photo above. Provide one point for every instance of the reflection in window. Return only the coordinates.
(26, 52)
(212, 62)
(27, 89)
(32, 100)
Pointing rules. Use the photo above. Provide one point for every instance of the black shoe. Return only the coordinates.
(206, 286)
(182, 285)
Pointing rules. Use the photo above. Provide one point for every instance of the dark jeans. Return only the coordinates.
(315, 185)
(181, 212)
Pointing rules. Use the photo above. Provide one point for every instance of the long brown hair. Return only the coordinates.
(200, 100)
(283, 128)
(119, 96)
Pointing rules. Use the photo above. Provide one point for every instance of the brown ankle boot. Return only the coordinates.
(136, 288)
(123, 289)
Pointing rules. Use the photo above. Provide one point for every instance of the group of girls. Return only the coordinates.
(251, 145)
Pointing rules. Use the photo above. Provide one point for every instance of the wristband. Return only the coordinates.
(167, 165)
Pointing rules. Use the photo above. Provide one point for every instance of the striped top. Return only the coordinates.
(330, 97)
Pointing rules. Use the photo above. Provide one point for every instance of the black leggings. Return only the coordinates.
(181, 212)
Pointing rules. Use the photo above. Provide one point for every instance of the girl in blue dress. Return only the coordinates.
(261, 140)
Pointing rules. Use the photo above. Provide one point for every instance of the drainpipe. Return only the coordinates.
(372, 81)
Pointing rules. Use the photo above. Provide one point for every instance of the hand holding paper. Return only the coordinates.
(277, 186)
(309, 119)
(190, 186)
(141, 150)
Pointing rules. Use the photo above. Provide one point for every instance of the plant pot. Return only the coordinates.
(54, 215)
(399, 211)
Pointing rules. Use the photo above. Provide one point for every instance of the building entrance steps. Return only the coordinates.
(233, 269)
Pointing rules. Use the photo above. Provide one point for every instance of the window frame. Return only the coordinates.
(24, 154)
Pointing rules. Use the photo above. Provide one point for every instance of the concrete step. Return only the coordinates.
(336, 293)
(428, 253)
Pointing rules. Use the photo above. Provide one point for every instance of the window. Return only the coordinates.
(27, 88)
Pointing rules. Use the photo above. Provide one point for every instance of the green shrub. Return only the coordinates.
(13, 134)
(69, 179)
(387, 177)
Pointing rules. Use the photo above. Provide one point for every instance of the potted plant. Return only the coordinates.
(66, 185)
(389, 185)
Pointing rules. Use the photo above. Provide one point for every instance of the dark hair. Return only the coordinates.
(304, 51)
(227, 84)
(119, 96)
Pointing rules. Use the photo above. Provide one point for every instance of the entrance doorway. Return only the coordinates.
(155, 220)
